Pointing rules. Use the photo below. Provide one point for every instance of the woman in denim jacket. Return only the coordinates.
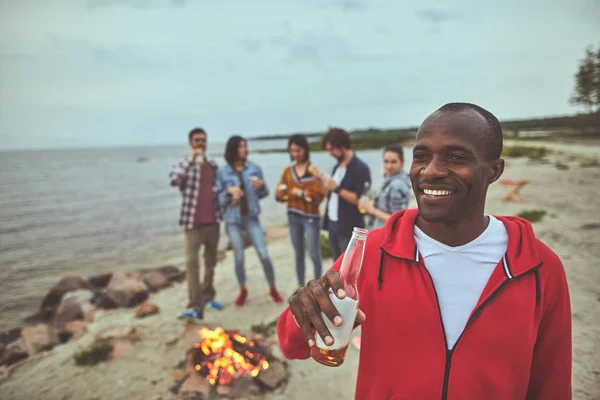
(394, 193)
(240, 186)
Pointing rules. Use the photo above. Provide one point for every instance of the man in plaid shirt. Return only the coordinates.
(195, 176)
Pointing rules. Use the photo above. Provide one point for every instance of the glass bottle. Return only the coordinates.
(365, 196)
(335, 354)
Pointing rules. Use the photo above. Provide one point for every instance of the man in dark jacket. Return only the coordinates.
(454, 303)
(349, 180)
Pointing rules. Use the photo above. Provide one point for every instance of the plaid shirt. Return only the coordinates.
(186, 176)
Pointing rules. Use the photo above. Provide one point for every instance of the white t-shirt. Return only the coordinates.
(334, 200)
(460, 273)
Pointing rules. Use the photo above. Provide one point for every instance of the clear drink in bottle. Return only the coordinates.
(335, 354)
(365, 196)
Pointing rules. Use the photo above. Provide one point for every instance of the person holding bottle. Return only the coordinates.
(199, 217)
(394, 193)
(300, 187)
(392, 196)
(350, 179)
(240, 187)
(454, 303)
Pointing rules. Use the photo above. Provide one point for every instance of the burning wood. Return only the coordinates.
(230, 364)
(222, 356)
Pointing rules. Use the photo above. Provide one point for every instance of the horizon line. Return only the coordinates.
(267, 136)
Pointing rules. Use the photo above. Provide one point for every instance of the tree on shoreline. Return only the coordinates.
(587, 81)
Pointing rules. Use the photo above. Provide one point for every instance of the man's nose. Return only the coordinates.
(434, 169)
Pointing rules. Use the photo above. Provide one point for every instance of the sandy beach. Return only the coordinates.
(561, 186)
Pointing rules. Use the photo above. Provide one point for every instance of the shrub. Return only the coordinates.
(94, 354)
(534, 153)
(532, 215)
(590, 162)
(325, 247)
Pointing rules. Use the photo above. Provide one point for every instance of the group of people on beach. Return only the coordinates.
(232, 193)
(455, 303)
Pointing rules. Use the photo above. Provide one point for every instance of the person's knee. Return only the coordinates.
(263, 254)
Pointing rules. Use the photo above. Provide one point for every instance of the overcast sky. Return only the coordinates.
(83, 73)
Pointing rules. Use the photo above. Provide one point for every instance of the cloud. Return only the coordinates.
(86, 53)
(435, 18)
(344, 5)
(137, 4)
(315, 46)
(250, 45)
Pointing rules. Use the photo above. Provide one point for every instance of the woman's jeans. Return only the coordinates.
(250, 225)
(311, 227)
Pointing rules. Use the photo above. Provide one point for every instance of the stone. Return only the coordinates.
(172, 341)
(120, 348)
(172, 273)
(274, 375)
(89, 316)
(83, 297)
(120, 332)
(245, 387)
(53, 298)
(39, 338)
(14, 352)
(100, 281)
(10, 335)
(156, 281)
(125, 289)
(125, 276)
(195, 383)
(67, 312)
(146, 309)
(76, 328)
(225, 390)
(178, 374)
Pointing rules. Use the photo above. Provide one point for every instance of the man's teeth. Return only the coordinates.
(437, 192)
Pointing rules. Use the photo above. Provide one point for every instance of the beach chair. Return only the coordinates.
(513, 189)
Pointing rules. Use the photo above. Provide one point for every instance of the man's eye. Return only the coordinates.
(418, 156)
(457, 157)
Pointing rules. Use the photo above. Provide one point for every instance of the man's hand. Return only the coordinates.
(308, 303)
(280, 192)
(329, 184)
(197, 153)
(296, 193)
(257, 183)
(235, 192)
(366, 205)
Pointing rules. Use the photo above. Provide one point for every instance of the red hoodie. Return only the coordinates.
(516, 344)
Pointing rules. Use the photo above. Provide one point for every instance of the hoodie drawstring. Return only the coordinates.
(380, 275)
(538, 292)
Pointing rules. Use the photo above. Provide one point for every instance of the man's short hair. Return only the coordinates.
(494, 133)
(196, 131)
(337, 137)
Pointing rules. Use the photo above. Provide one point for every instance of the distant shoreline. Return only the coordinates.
(565, 124)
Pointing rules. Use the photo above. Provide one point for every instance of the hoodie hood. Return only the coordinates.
(522, 253)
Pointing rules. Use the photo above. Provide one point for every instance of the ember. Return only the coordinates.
(223, 356)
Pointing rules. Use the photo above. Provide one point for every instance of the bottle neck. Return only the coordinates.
(352, 263)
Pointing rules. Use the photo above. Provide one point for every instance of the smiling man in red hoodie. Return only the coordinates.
(467, 305)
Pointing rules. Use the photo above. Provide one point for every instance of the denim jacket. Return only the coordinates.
(393, 196)
(228, 177)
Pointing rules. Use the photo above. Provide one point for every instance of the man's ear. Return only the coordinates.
(496, 170)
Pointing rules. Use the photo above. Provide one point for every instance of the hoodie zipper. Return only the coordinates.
(474, 315)
(478, 310)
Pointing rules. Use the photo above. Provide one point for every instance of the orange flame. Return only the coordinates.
(223, 362)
